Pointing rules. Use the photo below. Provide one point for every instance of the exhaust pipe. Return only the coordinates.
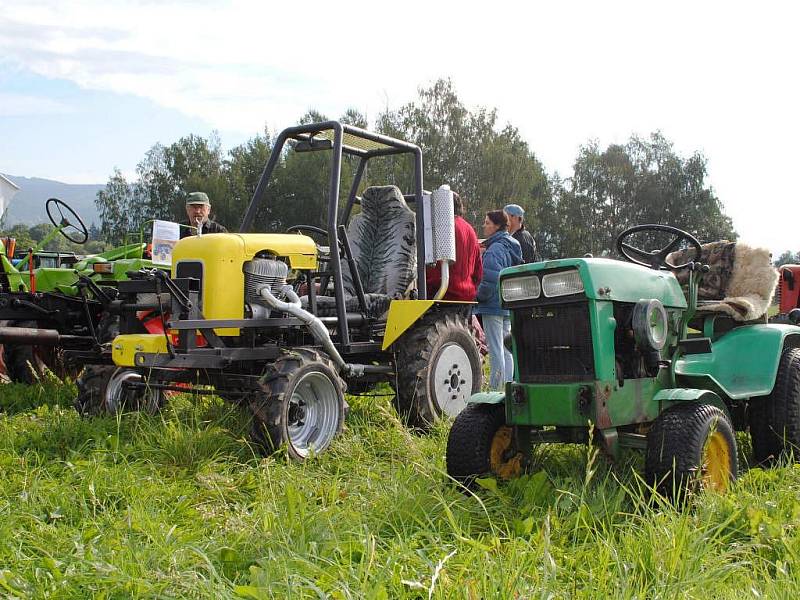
(314, 325)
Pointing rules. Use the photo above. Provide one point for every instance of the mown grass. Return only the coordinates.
(179, 505)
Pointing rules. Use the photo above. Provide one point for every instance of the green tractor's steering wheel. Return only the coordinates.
(63, 224)
(657, 259)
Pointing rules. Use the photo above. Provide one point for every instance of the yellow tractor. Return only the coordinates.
(286, 325)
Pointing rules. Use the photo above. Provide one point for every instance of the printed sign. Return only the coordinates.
(165, 235)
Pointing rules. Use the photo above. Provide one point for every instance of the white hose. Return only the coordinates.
(314, 325)
(445, 268)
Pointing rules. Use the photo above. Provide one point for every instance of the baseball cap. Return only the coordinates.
(198, 198)
(515, 210)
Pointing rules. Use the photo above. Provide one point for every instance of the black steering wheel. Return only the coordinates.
(309, 228)
(64, 223)
(657, 259)
(321, 250)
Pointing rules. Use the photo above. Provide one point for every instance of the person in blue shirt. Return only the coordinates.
(502, 251)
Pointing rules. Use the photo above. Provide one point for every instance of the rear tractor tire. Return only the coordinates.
(775, 419)
(438, 369)
(102, 390)
(691, 446)
(300, 404)
(480, 443)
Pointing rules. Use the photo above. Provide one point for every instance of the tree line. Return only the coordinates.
(488, 163)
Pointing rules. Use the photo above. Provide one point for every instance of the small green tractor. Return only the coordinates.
(53, 305)
(284, 322)
(622, 354)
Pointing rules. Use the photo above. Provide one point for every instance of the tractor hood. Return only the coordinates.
(607, 279)
(236, 247)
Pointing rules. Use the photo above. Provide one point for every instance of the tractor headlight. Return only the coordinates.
(521, 288)
(562, 283)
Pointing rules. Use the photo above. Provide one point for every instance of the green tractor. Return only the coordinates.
(669, 353)
(53, 305)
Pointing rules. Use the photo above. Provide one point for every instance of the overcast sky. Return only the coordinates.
(89, 86)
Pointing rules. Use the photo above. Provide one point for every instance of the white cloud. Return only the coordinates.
(714, 76)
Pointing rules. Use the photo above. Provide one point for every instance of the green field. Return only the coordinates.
(178, 505)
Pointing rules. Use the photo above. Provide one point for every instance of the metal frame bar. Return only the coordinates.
(422, 290)
(351, 263)
(394, 146)
(351, 198)
(206, 358)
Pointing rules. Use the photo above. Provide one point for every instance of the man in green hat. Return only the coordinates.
(198, 208)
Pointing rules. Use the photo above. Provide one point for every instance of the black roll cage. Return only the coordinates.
(331, 135)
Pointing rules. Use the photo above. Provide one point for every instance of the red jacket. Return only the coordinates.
(465, 273)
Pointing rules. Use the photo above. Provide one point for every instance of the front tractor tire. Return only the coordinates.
(691, 446)
(102, 390)
(299, 404)
(438, 369)
(480, 443)
(775, 420)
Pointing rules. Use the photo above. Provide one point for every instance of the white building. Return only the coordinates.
(7, 191)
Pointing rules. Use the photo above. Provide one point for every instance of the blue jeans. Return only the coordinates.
(501, 363)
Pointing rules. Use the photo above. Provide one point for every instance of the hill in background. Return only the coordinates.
(28, 205)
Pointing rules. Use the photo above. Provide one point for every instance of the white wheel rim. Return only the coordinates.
(313, 414)
(117, 393)
(452, 379)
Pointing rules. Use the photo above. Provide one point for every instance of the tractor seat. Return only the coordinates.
(741, 281)
(383, 242)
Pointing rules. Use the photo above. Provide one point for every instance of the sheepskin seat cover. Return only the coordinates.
(382, 239)
(741, 282)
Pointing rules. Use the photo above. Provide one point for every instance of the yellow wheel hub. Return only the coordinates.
(717, 463)
(503, 466)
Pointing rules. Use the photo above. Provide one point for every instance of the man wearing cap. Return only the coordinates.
(198, 207)
(516, 214)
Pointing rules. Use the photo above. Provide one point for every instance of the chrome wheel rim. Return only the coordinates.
(452, 379)
(118, 395)
(313, 414)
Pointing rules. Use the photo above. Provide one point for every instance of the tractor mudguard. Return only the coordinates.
(404, 313)
(120, 253)
(487, 398)
(670, 397)
(742, 363)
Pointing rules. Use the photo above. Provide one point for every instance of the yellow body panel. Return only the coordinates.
(125, 347)
(224, 254)
(404, 313)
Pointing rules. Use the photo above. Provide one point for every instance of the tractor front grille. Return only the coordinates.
(194, 269)
(554, 343)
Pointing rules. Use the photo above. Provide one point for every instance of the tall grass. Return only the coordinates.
(180, 505)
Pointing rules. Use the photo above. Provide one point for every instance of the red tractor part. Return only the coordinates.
(154, 324)
(789, 288)
(788, 295)
(10, 245)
